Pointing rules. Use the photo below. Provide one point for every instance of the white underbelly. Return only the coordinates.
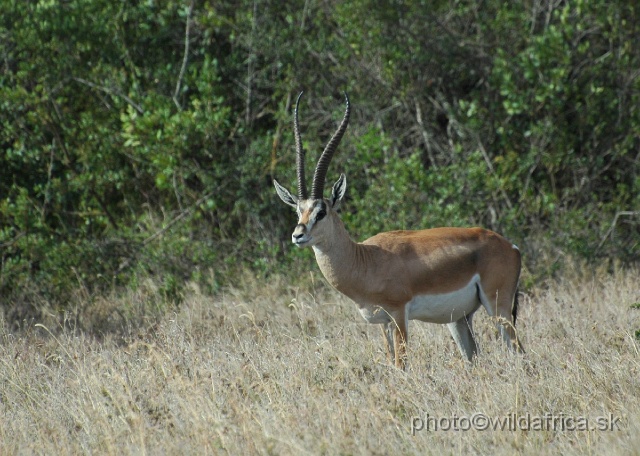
(447, 307)
(375, 314)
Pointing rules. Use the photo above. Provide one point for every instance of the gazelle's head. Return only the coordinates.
(316, 215)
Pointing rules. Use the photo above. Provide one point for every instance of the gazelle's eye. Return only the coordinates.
(321, 215)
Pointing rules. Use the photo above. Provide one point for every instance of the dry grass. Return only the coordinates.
(276, 370)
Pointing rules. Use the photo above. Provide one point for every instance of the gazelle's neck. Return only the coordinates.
(338, 257)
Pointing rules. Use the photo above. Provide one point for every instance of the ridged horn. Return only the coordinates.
(317, 187)
(302, 185)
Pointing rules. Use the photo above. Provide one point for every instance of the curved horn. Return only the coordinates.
(323, 163)
(302, 186)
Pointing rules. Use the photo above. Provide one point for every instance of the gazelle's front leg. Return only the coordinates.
(400, 342)
(387, 332)
(395, 335)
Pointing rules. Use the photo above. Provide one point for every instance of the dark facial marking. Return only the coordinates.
(322, 211)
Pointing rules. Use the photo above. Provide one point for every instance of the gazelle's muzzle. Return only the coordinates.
(300, 236)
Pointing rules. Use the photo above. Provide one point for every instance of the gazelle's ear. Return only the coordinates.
(338, 191)
(285, 195)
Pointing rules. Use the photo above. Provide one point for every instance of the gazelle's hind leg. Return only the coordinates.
(504, 307)
(462, 332)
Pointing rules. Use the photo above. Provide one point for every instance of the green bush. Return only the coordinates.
(140, 141)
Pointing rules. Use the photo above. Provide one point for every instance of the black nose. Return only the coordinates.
(298, 232)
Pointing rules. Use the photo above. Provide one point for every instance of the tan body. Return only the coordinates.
(440, 275)
(390, 268)
(398, 276)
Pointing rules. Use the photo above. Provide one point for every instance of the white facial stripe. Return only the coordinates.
(308, 212)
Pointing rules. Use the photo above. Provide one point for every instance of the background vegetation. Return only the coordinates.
(138, 140)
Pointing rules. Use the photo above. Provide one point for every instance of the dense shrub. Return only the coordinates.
(141, 139)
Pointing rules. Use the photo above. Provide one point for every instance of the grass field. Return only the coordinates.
(273, 369)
